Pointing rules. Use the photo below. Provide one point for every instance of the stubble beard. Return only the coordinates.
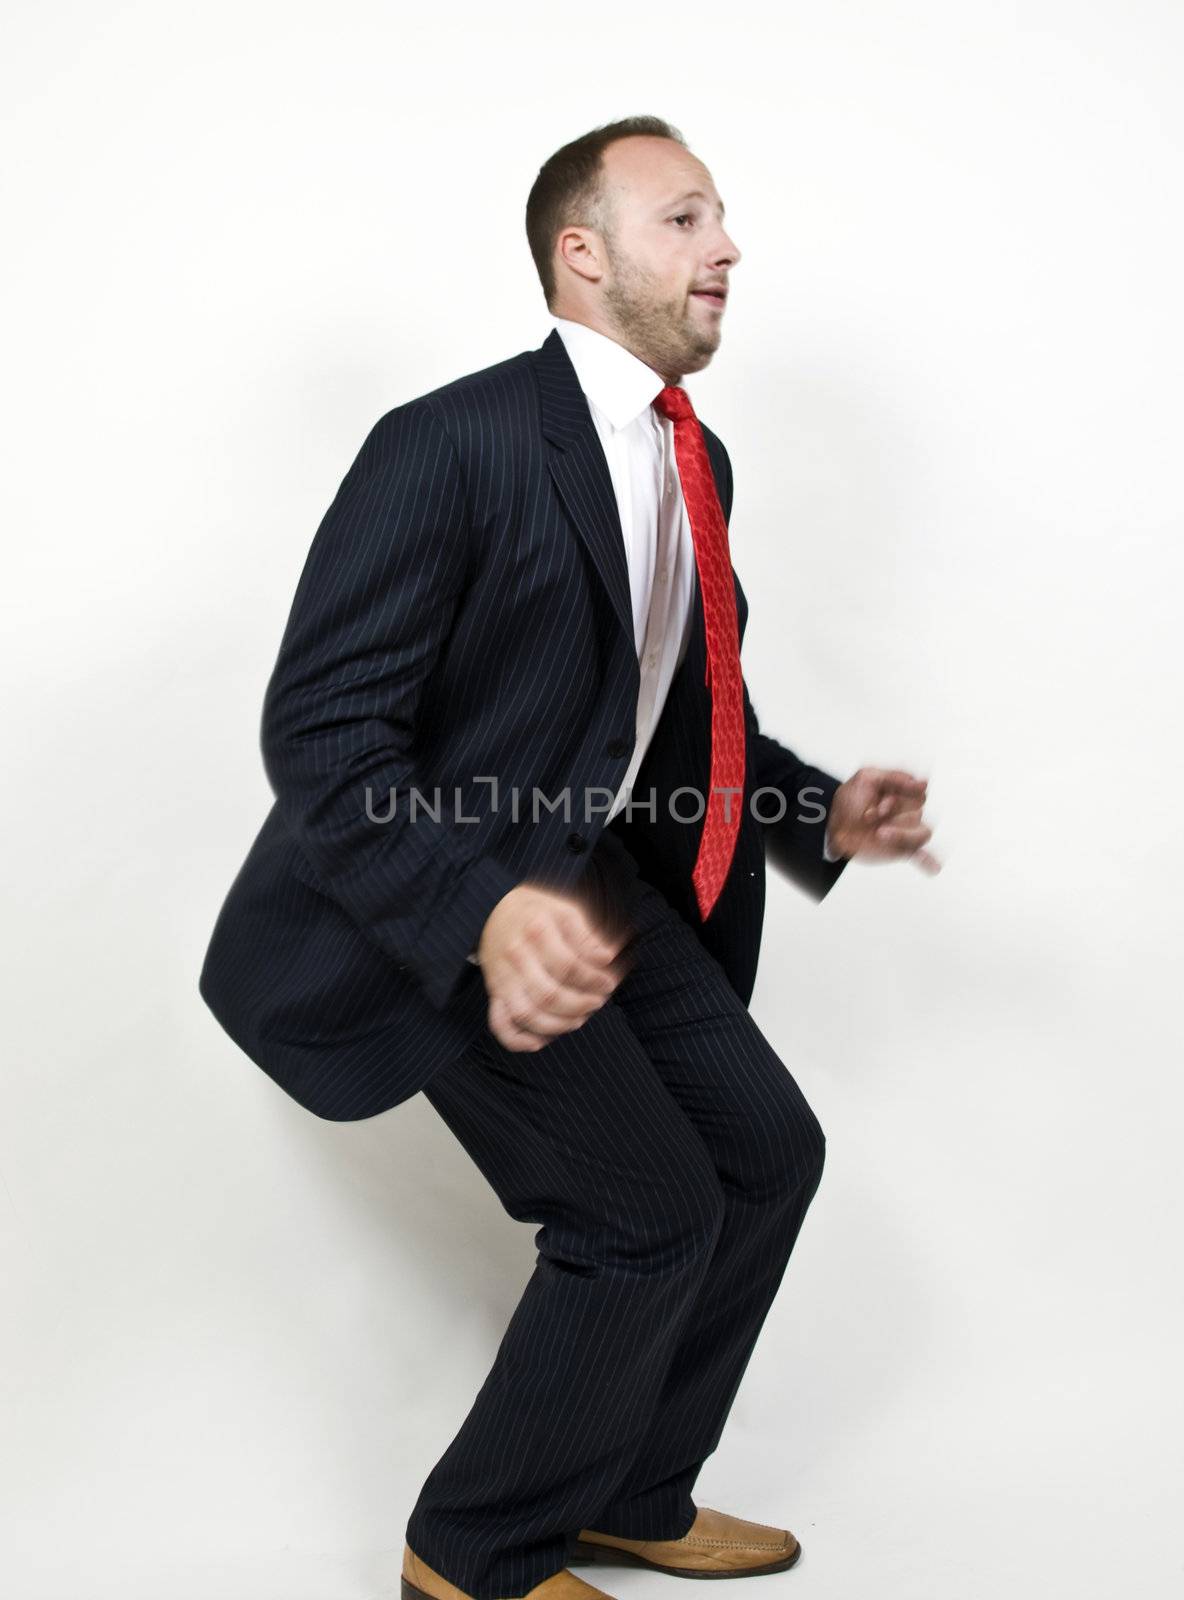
(659, 330)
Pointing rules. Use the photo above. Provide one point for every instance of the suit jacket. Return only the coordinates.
(464, 616)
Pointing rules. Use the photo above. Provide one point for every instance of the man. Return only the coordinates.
(523, 585)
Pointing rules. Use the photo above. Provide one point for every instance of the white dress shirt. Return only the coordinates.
(639, 447)
(638, 444)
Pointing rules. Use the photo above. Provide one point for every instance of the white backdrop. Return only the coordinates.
(236, 1338)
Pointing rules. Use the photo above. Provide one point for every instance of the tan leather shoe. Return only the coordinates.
(420, 1582)
(715, 1546)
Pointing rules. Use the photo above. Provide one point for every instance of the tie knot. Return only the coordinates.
(674, 403)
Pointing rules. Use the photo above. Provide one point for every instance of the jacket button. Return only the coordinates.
(617, 747)
(576, 842)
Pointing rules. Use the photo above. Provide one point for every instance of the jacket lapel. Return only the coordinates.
(581, 473)
(581, 477)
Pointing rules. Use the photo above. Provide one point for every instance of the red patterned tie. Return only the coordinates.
(709, 533)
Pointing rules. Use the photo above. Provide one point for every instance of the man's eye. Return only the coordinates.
(681, 214)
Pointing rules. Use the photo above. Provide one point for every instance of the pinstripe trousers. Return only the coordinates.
(670, 1157)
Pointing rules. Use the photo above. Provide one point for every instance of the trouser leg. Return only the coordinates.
(768, 1151)
(669, 1158)
(581, 1138)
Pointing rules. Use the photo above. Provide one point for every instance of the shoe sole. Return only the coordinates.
(584, 1554)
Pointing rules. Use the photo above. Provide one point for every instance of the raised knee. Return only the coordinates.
(814, 1155)
(797, 1152)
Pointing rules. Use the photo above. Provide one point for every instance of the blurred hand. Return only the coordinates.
(876, 816)
(547, 966)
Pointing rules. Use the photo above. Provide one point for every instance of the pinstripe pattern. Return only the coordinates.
(464, 612)
(670, 1158)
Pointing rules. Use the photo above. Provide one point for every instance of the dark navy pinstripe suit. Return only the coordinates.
(464, 613)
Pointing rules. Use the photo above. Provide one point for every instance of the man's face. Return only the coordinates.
(666, 245)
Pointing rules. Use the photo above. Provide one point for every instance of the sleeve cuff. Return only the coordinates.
(448, 940)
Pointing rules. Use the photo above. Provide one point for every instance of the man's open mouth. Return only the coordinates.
(718, 295)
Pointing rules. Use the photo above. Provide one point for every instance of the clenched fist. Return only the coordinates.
(547, 964)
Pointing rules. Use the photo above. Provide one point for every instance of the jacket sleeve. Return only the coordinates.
(795, 841)
(372, 612)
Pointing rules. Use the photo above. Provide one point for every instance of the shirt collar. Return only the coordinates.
(613, 378)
